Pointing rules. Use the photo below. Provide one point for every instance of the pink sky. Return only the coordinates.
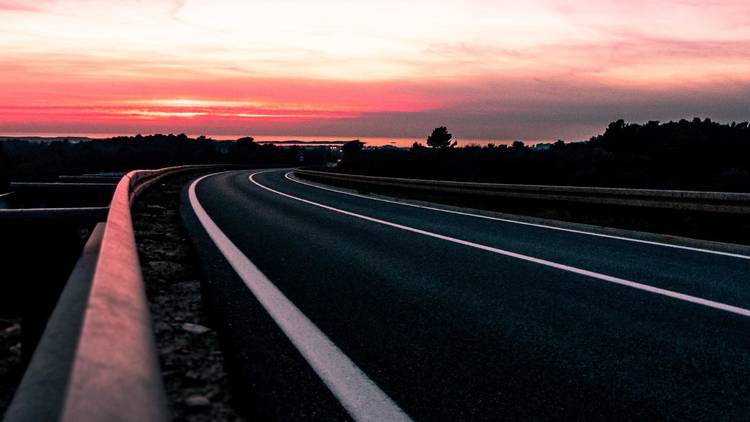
(538, 69)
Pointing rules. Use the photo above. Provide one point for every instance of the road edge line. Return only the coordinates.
(356, 392)
(523, 223)
(591, 274)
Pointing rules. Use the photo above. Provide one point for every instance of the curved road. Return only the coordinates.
(337, 306)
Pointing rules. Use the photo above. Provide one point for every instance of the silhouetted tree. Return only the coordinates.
(352, 148)
(440, 138)
(246, 149)
(688, 154)
(350, 153)
(248, 143)
(616, 126)
(416, 146)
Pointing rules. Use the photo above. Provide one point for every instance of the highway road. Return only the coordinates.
(339, 306)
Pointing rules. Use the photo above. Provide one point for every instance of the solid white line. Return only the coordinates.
(505, 220)
(592, 274)
(359, 395)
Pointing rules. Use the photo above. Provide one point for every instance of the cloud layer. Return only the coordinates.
(544, 69)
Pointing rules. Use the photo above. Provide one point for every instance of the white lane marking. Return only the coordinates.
(359, 395)
(592, 274)
(505, 220)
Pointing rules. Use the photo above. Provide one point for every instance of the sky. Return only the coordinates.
(533, 69)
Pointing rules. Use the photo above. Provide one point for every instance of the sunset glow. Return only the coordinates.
(541, 69)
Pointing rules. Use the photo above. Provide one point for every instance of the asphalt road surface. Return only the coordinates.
(336, 306)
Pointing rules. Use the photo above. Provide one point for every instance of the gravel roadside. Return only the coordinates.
(190, 357)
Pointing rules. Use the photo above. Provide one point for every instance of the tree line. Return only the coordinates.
(688, 154)
(23, 160)
(696, 154)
